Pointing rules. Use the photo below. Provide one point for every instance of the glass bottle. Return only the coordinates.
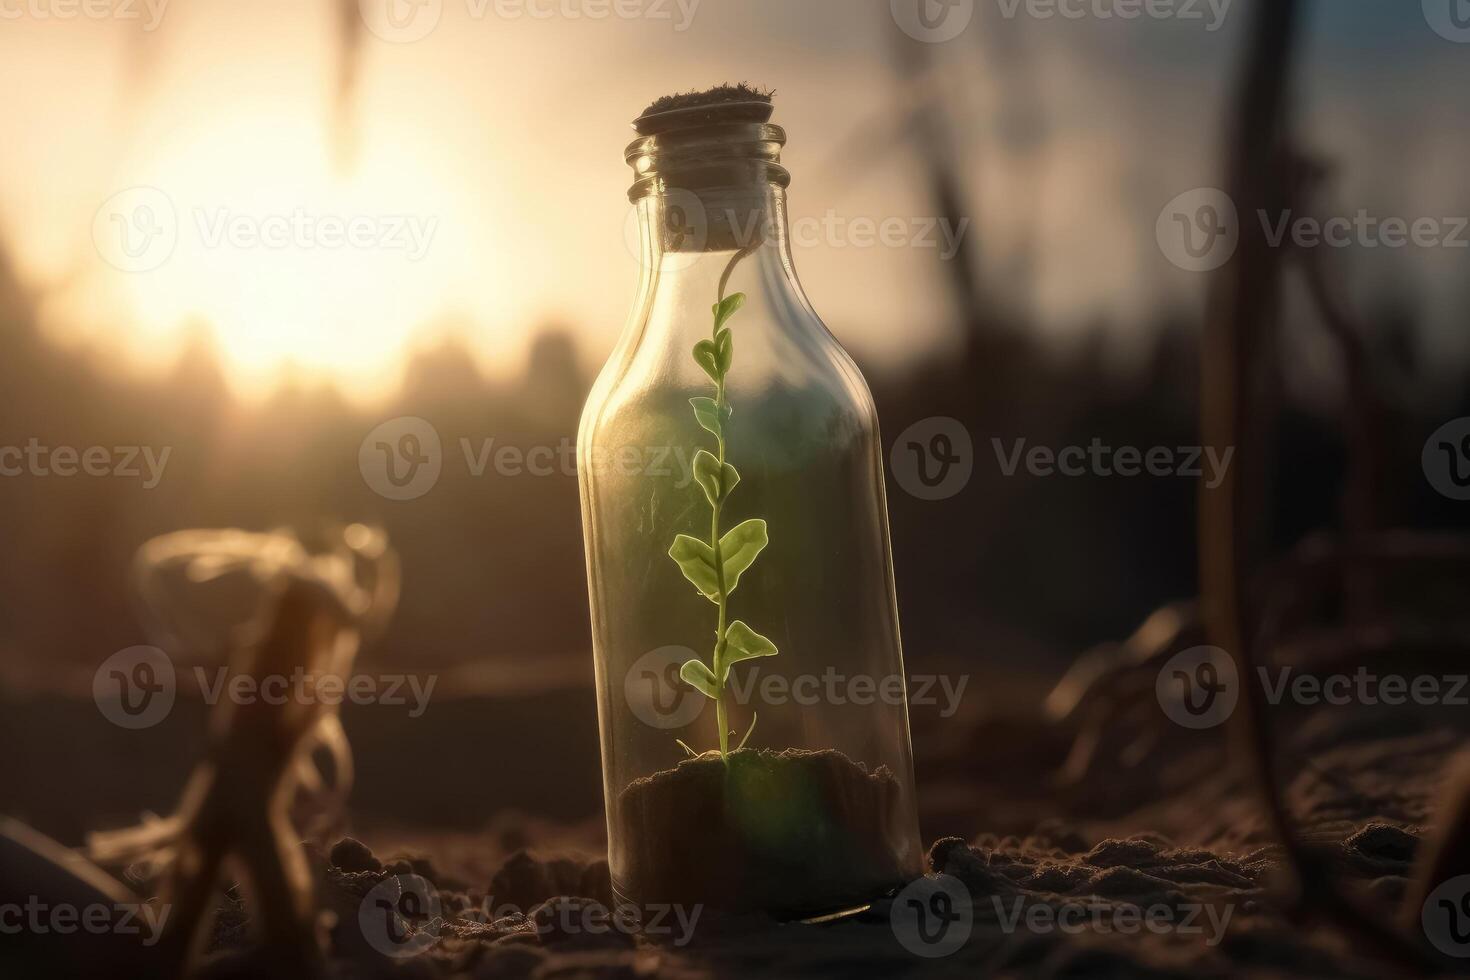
(790, 650)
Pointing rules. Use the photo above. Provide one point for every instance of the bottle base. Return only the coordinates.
(797, 834)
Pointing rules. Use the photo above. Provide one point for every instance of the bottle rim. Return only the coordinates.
(725, 155)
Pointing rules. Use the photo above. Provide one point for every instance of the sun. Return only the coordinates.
(245, 227)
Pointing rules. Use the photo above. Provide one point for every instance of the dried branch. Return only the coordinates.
(1243, 311)
(238, 802)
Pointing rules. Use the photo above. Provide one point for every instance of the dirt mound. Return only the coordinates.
(792, 833)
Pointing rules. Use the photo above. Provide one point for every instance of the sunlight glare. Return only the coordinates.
(292, 267)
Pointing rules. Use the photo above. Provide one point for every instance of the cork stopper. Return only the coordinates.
(722, 104)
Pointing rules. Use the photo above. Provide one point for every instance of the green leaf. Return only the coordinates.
(717, 482)
(700, 677)
(707, 356)
(739, 548)
(710, 415)
(697, 560)
(726, 308)
(744, 643)
(707, 475)
(724, 349)
(729, 477)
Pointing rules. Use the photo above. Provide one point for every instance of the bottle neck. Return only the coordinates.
(685, 272)
(711, 188)
(713, 222)
(711, 157)
(680, 227)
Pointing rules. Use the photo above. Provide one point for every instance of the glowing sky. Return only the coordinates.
(487, 194)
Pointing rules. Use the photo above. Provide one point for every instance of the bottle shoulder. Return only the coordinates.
(798, 378)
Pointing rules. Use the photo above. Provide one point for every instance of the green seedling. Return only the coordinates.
(715, 566)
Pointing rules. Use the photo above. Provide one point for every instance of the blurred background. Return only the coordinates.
(158, 292)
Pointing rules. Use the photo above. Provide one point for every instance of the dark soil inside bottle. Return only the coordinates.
(792, 833)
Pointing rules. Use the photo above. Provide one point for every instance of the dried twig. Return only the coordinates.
(1244, 305)
(237, 804)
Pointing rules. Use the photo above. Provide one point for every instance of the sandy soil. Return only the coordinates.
(1155, 860)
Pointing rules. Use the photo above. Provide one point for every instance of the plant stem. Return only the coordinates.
(721, 711)
(714, 535)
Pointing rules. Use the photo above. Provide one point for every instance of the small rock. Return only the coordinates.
(514, 922)
(1384, 841)
(1133, 853)
(1059, 878)
(944, 849)
(350, 854)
